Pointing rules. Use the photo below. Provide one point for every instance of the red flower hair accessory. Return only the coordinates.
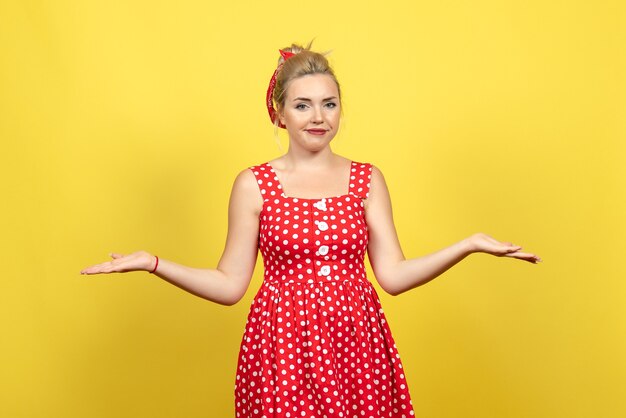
(270, 89)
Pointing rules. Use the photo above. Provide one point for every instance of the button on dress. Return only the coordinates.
(316, 342)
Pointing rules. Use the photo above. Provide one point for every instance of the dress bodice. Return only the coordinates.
(310, 240)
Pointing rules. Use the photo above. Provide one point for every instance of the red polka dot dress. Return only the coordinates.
(316, 343)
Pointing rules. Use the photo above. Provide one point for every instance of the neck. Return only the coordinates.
(304, 159)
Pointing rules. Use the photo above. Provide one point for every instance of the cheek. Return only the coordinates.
(296, 117)
(288, 116)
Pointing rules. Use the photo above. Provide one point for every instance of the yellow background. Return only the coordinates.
(123, 124)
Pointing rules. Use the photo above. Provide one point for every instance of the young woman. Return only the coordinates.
(316, 342)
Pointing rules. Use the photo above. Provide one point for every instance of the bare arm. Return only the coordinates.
(225, 284)
(393, 271)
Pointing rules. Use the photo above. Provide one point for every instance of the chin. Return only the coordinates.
(318, 145)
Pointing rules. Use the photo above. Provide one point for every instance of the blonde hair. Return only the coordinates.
(304, 62)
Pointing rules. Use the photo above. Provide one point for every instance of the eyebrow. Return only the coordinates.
(305, 99)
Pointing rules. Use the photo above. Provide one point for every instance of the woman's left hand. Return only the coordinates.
(484, 243)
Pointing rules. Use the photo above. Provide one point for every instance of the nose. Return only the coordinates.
(317, 115)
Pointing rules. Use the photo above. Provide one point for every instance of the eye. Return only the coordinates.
(331, 105)
(301, 106)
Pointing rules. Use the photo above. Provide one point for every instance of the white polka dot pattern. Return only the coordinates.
(317, 343)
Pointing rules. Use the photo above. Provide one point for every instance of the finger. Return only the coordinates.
(502, 249)
(96, 269)
(100, 268)
(92, 270)
(509, 247)
(533, 258)
(518, 254)
(106, 267)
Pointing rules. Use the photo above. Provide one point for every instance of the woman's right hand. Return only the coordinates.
(137, 261)
(484, 243)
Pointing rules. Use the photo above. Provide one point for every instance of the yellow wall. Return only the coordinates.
(123, 124)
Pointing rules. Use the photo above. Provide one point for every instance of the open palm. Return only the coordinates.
(486, 244)
(140, 260)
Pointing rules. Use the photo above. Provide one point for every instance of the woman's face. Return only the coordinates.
(311, 111)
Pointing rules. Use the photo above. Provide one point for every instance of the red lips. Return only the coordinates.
(316, 131)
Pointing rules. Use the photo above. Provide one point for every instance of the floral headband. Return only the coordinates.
(270, 89)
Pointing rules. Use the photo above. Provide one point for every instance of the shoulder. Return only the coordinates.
(361, 171)
(376, 174)
(362, 168)
(378, 185)
(254, 175)
(245, 189)
(246, 179)
(367, 171)
(378, 192)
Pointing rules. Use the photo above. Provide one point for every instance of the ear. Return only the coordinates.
(281, 115)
